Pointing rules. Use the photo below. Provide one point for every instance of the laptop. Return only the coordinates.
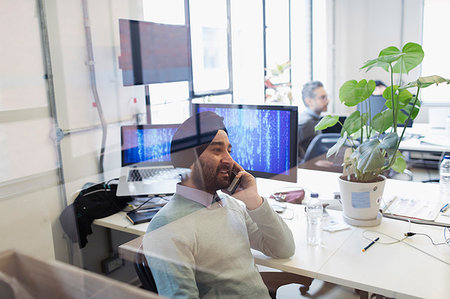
(145, 157)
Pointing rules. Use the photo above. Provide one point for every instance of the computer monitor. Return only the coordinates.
(147, 144)
(263, 137)
(154, 53)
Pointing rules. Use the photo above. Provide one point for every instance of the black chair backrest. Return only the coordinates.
(320, 144)
(144, 273)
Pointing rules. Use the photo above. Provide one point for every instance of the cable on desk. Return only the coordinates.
(401, 240)
(381, 242)
(410, 234)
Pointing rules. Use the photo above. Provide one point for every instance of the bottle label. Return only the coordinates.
(361, 200)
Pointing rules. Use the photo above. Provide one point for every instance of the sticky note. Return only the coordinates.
(361, 200)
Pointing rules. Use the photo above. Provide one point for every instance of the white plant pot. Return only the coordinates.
(361, 201)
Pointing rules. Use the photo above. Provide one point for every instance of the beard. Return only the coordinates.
(209, 178)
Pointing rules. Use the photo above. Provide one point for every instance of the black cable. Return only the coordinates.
(410, 234)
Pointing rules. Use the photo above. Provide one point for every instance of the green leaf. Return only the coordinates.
(337, 146)
(423, 82)
(399, 163)
(389, 143)
(413, 56)
(402, 96)
(353, 92)
(369, 156)
(382, 121)
(326, 122)
(403, 61)
(407, 110)
(386, 57)
(353, 123)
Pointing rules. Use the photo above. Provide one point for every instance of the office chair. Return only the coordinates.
(320, 145)
(144, 273)
(272, 280)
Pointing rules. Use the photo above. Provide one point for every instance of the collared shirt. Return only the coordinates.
(204, 198)
(198, 252)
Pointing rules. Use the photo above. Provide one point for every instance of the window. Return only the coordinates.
(436, 47)
(210, 57)
(209, 39)
(277, 51)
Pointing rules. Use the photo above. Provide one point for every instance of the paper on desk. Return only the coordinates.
(436, 140)
(446, 213)
(332, 224)
(413, 208)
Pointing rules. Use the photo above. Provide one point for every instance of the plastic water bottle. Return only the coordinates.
(444, 177)
(314, 211)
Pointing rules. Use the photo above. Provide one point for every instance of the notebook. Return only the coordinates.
(145, 155)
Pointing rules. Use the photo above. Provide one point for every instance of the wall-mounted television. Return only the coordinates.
(264, 137)
(153, 52)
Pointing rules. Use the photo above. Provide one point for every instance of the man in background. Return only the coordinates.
(315, 99)
(198, 245)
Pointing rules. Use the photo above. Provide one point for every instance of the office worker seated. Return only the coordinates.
(198, 245)
(315, 99)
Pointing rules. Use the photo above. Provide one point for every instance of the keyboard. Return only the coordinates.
(139, 174)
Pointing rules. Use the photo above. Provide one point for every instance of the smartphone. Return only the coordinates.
(234, 183)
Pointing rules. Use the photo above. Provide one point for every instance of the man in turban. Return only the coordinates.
(198, 245)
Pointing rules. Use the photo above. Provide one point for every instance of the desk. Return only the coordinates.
(396, 270)
(431, 140)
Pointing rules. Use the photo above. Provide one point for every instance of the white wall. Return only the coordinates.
(30, 194)
(363, 29)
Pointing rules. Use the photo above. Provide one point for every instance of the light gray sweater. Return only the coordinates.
(204, 252)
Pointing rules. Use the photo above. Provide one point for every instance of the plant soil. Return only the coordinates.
(354, 180)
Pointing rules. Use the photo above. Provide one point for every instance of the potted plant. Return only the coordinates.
(374, 142)
(275, 91)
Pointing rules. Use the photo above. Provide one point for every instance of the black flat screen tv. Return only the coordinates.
(153, 52)
(263, 137)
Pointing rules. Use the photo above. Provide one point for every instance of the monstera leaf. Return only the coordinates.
(403, 61)
(326, 122)
(402, 97)
(400, 163)
(369, 156)
(354, 122)
(337, 146)
(423, 82)
(353, 92)
(389, 143)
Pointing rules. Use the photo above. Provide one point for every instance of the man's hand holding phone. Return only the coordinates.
(243, 187)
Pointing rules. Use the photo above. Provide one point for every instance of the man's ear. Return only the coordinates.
(309, 102)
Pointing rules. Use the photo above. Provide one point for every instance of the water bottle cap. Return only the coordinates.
(314, 195)
(447, 157)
